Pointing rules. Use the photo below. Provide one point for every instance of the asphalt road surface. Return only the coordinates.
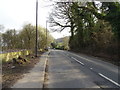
(69, 70)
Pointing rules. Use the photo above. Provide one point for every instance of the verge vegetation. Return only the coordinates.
(94, 27)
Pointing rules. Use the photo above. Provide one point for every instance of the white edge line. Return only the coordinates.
(80, 56)
(84, 58)
(109, 79)
(77, 60)
(91, 68)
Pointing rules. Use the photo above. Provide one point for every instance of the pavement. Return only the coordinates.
(69, 70)
(35, 77)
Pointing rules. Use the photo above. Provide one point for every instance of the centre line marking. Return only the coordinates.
(109, 79)
(77, 60)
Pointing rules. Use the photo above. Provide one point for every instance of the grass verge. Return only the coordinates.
(11, 75)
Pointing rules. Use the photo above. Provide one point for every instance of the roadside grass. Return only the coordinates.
(11, 74)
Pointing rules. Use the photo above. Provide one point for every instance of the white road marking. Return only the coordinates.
(109, 79)
(91, 68)
(80, 57)
(84, 58)
(98, 73)
(77, 60)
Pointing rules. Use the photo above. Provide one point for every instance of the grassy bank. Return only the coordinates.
(6, 57)
(11, 75)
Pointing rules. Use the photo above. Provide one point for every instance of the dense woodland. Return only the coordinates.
(94, 26)
(25, 38)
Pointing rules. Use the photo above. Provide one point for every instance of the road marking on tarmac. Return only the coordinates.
(77, 60)
(112, 81)
(109, 79)
(91, 68)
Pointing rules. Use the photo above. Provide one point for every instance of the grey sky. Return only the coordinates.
(15, 13)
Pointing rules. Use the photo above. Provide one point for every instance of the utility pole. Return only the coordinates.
(36, 28)
(46, 34)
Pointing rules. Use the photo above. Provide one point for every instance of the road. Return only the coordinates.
(69, 70)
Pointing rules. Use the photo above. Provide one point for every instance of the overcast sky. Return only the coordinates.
(15, 13)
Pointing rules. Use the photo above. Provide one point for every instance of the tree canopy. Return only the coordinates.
(94, 26)
(25, 38)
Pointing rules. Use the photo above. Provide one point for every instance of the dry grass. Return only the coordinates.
(11, 75)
